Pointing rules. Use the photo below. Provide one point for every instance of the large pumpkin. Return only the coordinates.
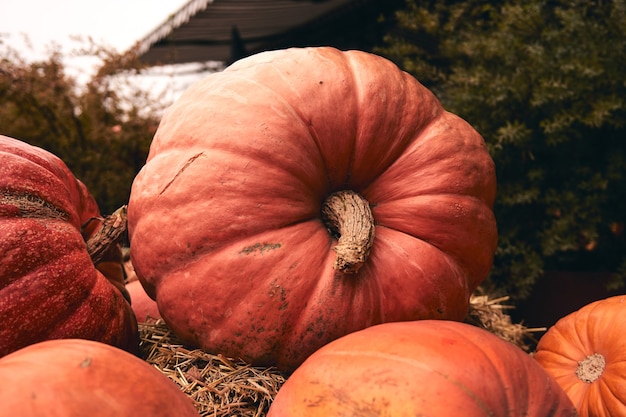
(303, 194)
(424, 368)
(49, 286)
(78, 378)
(585, 352)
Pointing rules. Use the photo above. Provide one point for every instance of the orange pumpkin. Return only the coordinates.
(303, 194)
(83, 378)
(585, 352)
(424, 368)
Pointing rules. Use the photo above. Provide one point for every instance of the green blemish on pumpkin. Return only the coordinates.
(85, 363)
(261, 247)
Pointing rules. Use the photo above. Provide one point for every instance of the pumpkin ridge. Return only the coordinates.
(600, 339)
(581, 338)
(559, 351)
(411, 122)
(58, 321)
(488, 359)
(263, 157)
(604, 382)
(71, 243)
(101, 333)
(448, 245)
(356, 89)
(308, 124)
(288, 104)
(454, 262)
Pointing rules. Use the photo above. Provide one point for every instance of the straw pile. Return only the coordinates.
(490, 314)
(220, 386)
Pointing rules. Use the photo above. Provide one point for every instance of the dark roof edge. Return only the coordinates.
(175, 20)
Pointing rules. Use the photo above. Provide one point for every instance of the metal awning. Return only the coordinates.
(226, 30)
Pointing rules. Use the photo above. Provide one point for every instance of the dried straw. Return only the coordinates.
(221, 386)
(218, 386)
(490, 314)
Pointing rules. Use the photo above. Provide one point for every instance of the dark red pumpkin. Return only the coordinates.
(255, 173)
(49, 286)
(424, 368)
(83, 378)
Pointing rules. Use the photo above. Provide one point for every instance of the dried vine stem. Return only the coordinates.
(348, 216)
(112, 228)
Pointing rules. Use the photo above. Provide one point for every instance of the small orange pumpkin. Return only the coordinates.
(585, 352)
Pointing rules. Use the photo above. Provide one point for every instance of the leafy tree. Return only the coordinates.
(544, 82)
(101, 129)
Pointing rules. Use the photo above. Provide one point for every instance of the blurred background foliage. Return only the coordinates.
(101, 128)
(543, 82)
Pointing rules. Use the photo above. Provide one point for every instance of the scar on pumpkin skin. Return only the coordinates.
(180, 171)
(33, 206)
(261, 247)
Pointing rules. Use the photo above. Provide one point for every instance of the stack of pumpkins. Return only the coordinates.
(309, 209)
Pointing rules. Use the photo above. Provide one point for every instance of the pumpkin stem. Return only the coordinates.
(349, 218)
(110, 231)
(590, 368)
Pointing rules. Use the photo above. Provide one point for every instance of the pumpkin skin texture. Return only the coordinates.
(77, 378)
(49, 286)
(225, 217)
(585, 352)
(427, 368)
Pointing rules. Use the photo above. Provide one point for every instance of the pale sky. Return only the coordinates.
(116, 24)
(113, 23)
